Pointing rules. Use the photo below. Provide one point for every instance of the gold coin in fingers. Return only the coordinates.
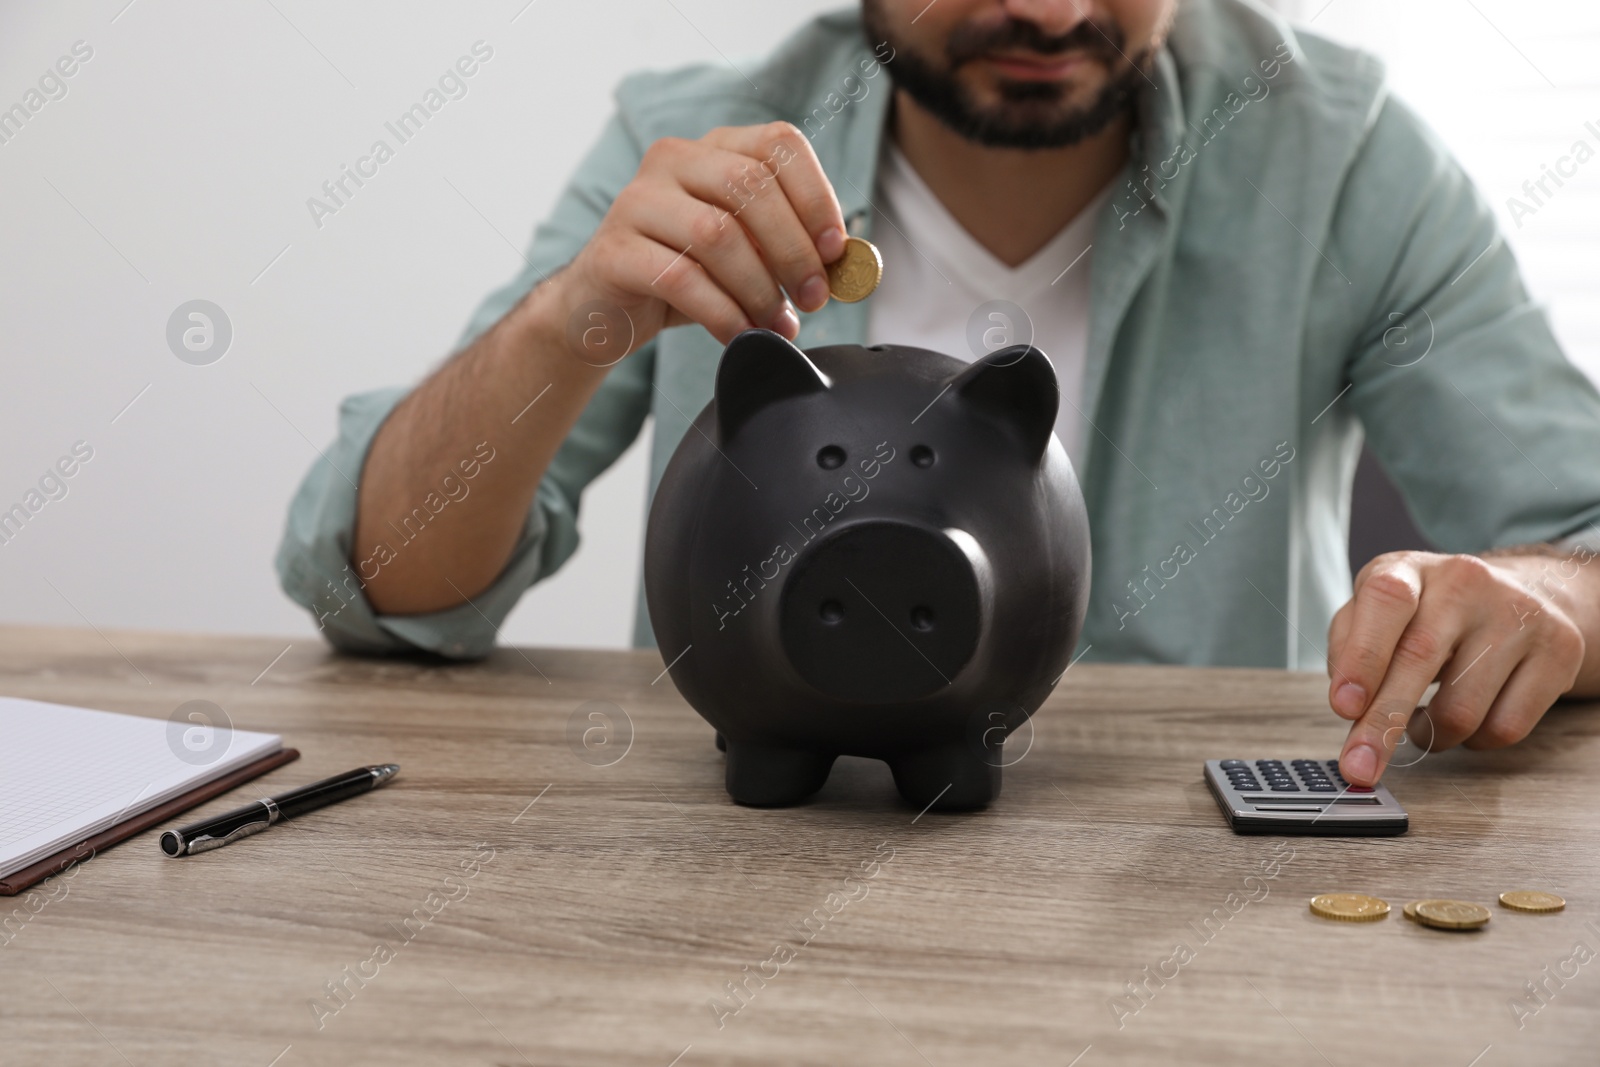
(854, 275)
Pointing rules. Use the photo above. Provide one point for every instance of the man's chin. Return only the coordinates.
(1031, 110)
(998, 92)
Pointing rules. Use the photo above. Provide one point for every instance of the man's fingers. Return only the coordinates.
(749, 192)
(1537, 683)
(684, 285)
(1338, 631)
(718, 243)
(747, 214)
(1384, 604)
(800, 174)
(1468, 686)
(1426, 644)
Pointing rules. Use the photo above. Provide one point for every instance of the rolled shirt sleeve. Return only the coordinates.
(314, 558)
(1467, 400)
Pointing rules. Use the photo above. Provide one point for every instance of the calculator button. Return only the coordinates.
(1360, 789)
(1321, 787)
(1231, 764)
(1285, 787)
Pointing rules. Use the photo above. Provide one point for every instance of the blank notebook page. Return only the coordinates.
(67, 773)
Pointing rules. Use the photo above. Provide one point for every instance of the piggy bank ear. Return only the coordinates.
(758, 368)
(1017, 387)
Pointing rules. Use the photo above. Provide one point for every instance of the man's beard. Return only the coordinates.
(1028, 116)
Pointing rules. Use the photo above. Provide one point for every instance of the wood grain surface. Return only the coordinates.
(525, 894)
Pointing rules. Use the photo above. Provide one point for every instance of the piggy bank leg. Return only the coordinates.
(950, 778)
(766, 776)
(722, 742)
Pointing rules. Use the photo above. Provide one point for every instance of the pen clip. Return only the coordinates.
(207, 842)
(203, 844)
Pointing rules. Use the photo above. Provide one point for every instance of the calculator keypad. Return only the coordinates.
(1296, 776)
(1300, 796)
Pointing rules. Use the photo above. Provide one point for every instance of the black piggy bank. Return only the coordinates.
(876, 552)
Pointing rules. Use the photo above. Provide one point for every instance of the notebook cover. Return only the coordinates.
(16, 882)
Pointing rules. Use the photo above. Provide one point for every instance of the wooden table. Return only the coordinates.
(519, 897)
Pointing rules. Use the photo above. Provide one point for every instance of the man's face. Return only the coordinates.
(1021, 73)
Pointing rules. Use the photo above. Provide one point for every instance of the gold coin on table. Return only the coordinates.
(1531, 900)
(1349, 907)
(1451, 914)
(854, 275)
(1411, 910)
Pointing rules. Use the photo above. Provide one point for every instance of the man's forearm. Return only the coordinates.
(417, 470)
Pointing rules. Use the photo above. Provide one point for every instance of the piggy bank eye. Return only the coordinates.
(922, 456)
(831, 457)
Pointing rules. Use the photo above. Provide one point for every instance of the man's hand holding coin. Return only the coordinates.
(732, 231)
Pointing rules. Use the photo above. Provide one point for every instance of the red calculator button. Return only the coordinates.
(1359, 789)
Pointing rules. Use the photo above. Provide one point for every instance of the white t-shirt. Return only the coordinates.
(937, 281)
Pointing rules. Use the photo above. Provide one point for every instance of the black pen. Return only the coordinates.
(253, 818)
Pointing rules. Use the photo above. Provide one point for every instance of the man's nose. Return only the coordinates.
(1053, 17)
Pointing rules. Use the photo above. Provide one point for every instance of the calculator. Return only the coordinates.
(1300, 796)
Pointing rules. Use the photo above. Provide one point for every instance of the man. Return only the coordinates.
(1238, 250)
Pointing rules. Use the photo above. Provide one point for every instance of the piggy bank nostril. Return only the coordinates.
(831, 457)
(922, 456)
(831, 612)
(922, 618)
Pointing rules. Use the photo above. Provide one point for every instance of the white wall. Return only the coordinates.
(176, 167)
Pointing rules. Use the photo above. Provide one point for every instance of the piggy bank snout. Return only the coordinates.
(883, 611)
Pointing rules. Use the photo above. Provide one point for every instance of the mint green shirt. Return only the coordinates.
(1290, 260)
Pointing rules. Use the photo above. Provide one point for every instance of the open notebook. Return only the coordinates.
(69, 773)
